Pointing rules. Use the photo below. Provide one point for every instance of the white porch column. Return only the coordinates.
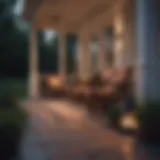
(119, 30)
(84, 59)
(148, 59)
(62, 56)
(33, 66)
(101, 55)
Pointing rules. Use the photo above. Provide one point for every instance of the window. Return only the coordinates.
(109, 41)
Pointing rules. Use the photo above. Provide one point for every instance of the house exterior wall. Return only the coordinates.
(135, 42)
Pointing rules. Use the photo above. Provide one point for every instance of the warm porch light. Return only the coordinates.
(54, 81)
(129, 121)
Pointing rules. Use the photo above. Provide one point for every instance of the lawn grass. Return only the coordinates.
(16, 87)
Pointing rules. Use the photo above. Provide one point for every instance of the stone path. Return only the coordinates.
(59, 130)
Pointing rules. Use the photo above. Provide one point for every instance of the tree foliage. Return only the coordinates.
(14, 46)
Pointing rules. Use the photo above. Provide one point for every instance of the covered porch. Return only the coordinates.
(123, 35)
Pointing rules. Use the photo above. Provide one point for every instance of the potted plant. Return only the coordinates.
(114, 115)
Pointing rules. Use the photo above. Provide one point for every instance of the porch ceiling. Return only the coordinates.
(66, 15)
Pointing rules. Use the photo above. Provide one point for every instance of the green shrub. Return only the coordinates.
(17, 87)
(9, 138)
(149, 120)
(7, 101)
(12, 122)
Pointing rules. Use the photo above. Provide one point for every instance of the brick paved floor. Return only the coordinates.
(59, 130)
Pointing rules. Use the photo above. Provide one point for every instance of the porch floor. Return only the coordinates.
(62, 130)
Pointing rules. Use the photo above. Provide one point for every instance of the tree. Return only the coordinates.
(6, 16)
(14, 46)
(8, 37)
